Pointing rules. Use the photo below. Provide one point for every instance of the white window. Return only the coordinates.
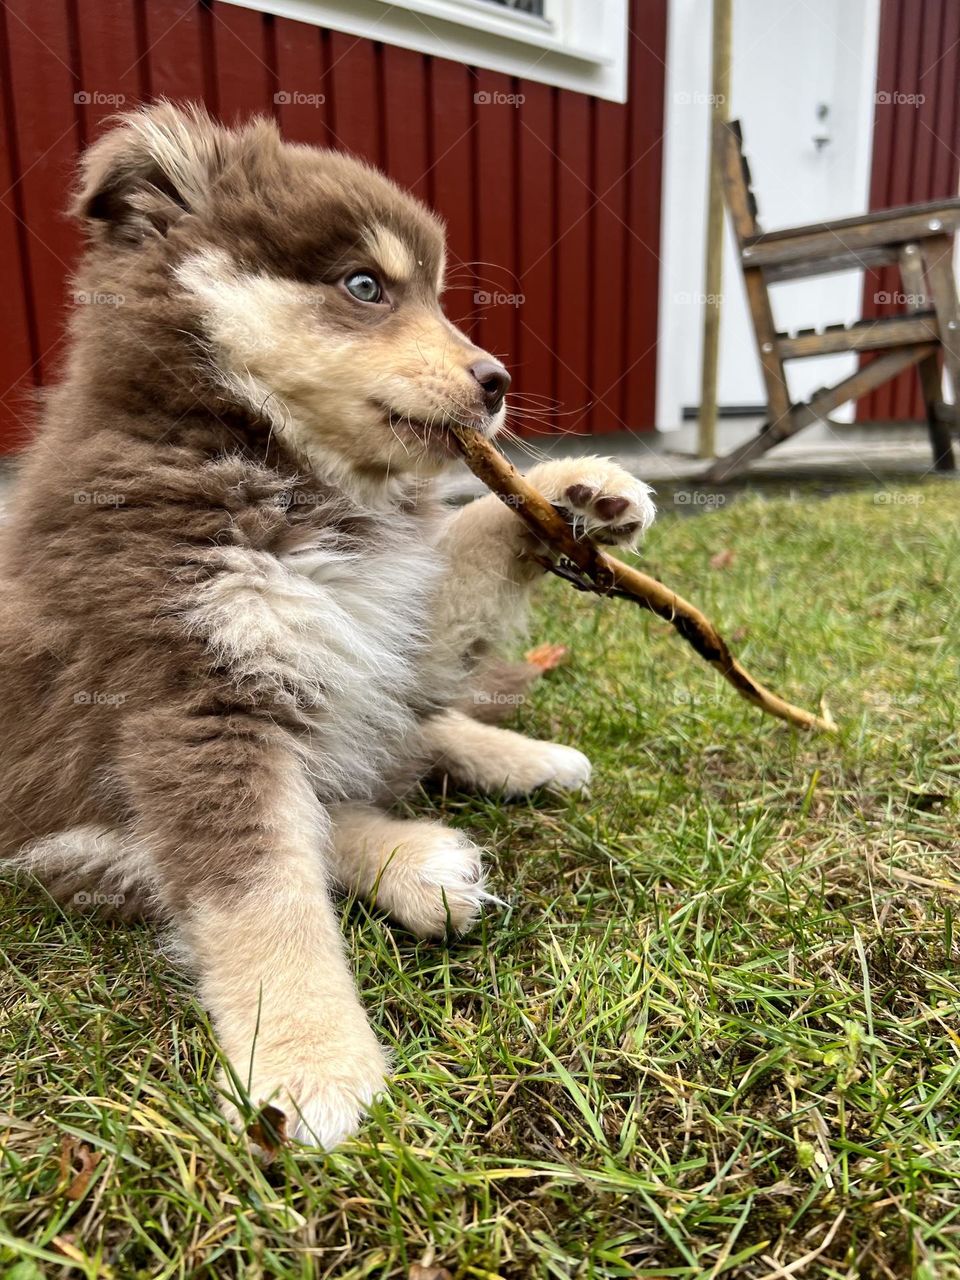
(536, 7)
(576, 44)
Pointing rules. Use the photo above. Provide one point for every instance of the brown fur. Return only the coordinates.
(232, 615)
(144, 461)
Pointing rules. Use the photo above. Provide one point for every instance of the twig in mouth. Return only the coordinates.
(582, 563)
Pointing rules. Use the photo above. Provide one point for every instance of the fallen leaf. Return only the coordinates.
(723, 559)
(268, 1130)
(547, 656)
(419, 1272)
(77, 1163)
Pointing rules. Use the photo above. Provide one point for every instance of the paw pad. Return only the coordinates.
(608, 508)
(600, 498)
(602, 513)
(580, 495)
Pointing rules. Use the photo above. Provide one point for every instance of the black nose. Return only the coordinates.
(494, 380)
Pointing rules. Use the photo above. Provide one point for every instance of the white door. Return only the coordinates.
(803, 86)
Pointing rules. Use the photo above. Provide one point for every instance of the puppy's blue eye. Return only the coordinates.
(364, 287)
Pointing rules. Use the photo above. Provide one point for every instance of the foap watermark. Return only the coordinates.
(98, 698)
(484, 698)
(687, 299)
(488, 98)
(884, 701)
(296, 98)
(97, 98)
(298, 498)
(894, 98)
(496, 298)
(97, 498)
(94, 298)
(898, 498)
(696, 98)
(698, 498)
(96, 899)
(682, 697)
(887, 298)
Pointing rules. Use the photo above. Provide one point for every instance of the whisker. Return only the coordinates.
(400, 440)
(485, 262)
(524, 446)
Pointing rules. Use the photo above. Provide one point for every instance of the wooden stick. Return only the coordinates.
(590, 569)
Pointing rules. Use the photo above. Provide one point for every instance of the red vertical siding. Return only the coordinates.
(179, 51)
(406, 123)
(915, 149)
(109, 65)
(551, 199)
(609, 248)
(43, 85)
(452, 130)
(644, 162)
(242, 72)
(534, 363)
(495, 195)
(574, 270)
(356, 92)
(19, 350)
(298, 71)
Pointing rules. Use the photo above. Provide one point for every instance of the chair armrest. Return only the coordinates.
(946, 210)
(831, 240)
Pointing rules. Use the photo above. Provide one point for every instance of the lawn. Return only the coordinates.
(715, 1031)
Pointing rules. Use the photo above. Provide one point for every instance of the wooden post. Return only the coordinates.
(713, 272)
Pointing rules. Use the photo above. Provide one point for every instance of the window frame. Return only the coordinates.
(573, 46)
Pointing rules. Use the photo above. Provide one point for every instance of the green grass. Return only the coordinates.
(715, 1033)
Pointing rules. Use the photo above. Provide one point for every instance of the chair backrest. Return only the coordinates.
(735, 176)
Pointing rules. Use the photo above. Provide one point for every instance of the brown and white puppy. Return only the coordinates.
(234, 621)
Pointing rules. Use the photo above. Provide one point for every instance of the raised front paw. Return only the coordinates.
(599, 497)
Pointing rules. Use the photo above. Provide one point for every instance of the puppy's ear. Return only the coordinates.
(155, 166)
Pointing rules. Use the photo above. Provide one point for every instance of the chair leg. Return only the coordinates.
(940, 441)
(731, 464)
(942, 287)
(765, 332)
(780, 422)
(820, 405)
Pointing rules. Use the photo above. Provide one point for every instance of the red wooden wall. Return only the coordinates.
(915, 148)
(553, 197)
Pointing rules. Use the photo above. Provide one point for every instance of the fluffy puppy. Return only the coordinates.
(234, 619)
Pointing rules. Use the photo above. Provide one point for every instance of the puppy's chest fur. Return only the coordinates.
(334, 638)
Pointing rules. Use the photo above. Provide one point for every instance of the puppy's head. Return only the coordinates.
(311, 280)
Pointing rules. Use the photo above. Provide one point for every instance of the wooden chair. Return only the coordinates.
(916, 238)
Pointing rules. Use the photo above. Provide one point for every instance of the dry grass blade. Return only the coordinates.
(798, 1264)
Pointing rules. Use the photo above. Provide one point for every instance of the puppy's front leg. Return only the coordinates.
(237, 834)
(495, 760)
